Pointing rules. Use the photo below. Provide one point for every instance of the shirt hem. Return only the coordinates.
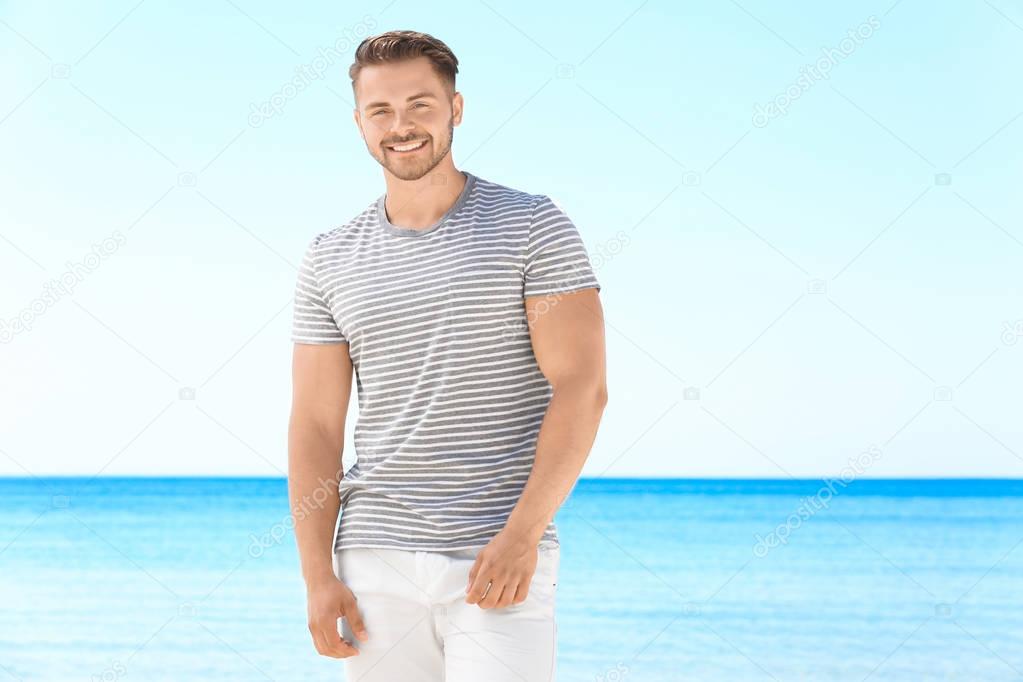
(356, 544)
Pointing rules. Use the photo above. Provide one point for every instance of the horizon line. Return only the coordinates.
(781, 479)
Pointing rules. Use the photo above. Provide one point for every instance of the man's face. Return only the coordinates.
(406, 102)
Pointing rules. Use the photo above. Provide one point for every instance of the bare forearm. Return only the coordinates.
(566, 436)
(314, 468)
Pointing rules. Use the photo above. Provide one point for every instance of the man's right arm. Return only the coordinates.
(321, 387)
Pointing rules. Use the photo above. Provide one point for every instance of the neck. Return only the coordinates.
(417, 204)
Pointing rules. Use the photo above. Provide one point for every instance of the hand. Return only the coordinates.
(507, 563)
(327, 601)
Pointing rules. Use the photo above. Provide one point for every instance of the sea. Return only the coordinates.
(192, 579)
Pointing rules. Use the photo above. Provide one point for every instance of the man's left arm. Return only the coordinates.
(567, 333)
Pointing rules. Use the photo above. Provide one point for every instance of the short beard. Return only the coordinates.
(410, 172)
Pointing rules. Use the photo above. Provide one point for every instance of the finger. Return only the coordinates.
(472, 574)
(477, 587)
(508, 598)
(338, 646)
(521, 593)
(493, 596)
(317, 642)
(322, 648)
(354, 617)
(504, 597)
(330, 642)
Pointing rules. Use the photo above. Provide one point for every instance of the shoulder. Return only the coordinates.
(341, 236)
(504, 198)
(540, 206)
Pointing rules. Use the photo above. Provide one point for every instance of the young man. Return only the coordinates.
(468, 313)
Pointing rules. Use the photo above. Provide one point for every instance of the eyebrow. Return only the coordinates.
(418, 95)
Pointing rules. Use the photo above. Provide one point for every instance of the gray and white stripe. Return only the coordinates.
(450, 395)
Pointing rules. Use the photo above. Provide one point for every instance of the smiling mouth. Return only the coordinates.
(407, 147)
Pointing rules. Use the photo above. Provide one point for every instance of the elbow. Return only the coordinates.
(588, 391)
(598, 392)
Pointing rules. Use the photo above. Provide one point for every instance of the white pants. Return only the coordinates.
(421, 630)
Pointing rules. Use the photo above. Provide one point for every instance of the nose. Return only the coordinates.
(402, 125)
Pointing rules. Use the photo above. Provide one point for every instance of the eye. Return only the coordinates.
(378, 111)
(418, 103)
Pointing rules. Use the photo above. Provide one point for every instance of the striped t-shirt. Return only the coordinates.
(450, 395)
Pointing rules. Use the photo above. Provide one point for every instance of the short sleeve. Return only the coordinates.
(312, 321)
(556, 259)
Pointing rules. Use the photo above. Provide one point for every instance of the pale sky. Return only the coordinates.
(838, 276)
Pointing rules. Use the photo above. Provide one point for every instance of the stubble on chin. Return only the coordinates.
(411, 172)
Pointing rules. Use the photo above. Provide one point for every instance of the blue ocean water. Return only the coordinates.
(661, 579)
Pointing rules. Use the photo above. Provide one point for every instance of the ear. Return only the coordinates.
(457, 104)
(358, 122)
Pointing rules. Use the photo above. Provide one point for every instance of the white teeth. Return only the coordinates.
(409, 147)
